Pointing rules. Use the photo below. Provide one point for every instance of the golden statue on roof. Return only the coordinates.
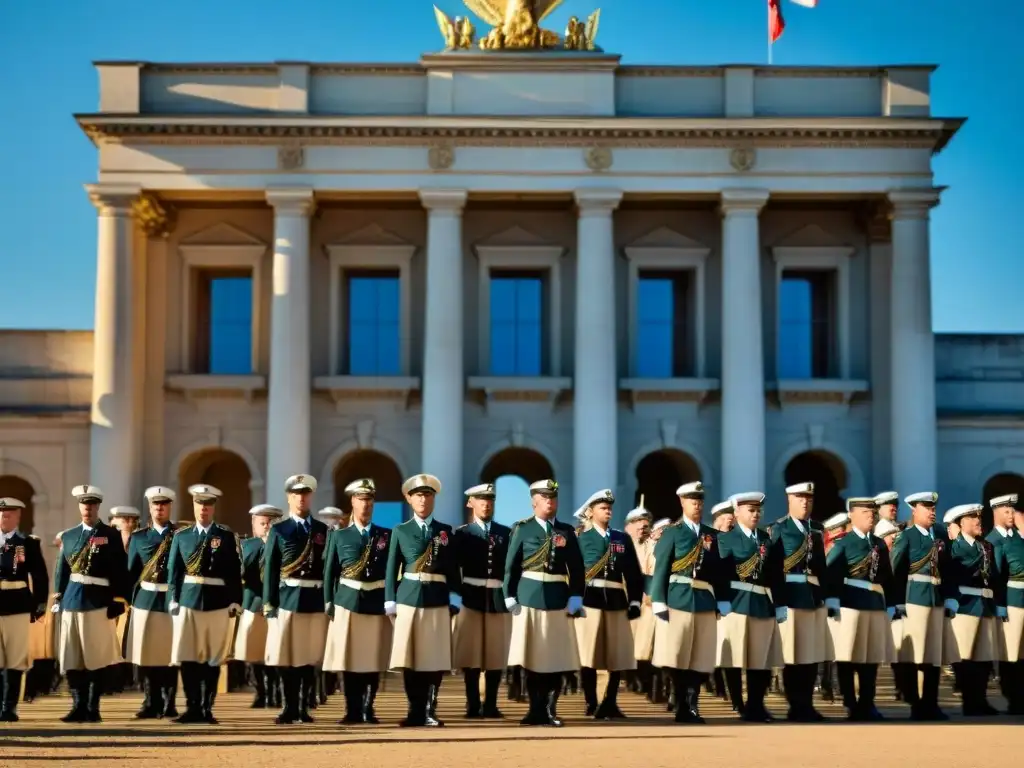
(516, 26)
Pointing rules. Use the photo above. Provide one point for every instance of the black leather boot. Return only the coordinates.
(259, 684)
(758, 681)
(272, 682)
(492, 682)
(474, 709)
(536, 694)
(433, 688)
(608, 709)
(11, 692)
(372, 681)
(416, 694)
(78, 686)
(290, 696)
(168, 682)
(553, 689)
(93, 694)
(192, 685)
(211, 676)
(308, 696)
(588, 682)
(152, 700)
(734, 684)
(353, 690)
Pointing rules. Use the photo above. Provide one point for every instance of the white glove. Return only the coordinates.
(328, 607)
(952, 606)
(891, 611)
(234, 609)
(390, 608)
(660, 610)
(781, 613)
(724, 607)
(513, 606)
(56, 608)
(454, 600)
(575, 605)
(1001, 612)
(172, 608)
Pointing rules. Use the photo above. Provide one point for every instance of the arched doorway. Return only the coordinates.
(22, 490)
(512, 470)
(827, 472)
(224, 470)
(389, 508)
(659, 475)
(1000, 485)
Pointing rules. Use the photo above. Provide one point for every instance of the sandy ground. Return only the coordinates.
(247, 737)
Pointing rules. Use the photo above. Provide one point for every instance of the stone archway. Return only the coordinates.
(829, 475)
(658, 475)
(1000, 485)
(22, 490)
(222, 469)
(512, 470)
(389, 508)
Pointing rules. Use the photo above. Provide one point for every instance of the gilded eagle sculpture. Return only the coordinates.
(516, 26)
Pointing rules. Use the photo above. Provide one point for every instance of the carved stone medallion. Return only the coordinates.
(441, 157)
(291, 158)
(743, 158)
(598, 158)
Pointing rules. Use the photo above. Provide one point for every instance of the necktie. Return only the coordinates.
(305, 526)
(365, 534)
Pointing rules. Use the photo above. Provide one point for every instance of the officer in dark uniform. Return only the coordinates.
(24, 587)
(359, 635)
(205, 576)
(1008, 547)
(483, 629)
(336, 520)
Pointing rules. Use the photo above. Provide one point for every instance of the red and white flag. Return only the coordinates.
(806, 3)
(776, 23)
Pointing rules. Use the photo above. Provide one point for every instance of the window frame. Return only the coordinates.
(197, 258)
(344, 258)
(521, 258)
(668, 259)
(834, 259)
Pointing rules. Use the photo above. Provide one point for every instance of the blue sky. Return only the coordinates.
(47, 46)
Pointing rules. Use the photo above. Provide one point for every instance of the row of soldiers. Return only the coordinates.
(426, 598)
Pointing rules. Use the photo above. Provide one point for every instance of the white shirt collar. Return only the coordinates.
(1004, 532)
(600, 530)
(925, 531)
(485, 526)
(799, 524)
(425, 522)
(87, 527)
(300, 520)
(968, 539)
(542, 523)
(203, 530)
(746, 531)
(360, 528)
(695, 527)
(859, 533)
(159, 528)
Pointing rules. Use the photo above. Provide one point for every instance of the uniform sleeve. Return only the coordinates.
(119, 569)
(135, 563)
(664, 548)
(513, 565)
(574, 565)
(724, 592)
(175, 570)
(234, 579)
(899, 560)
(950, 570)
(453, 571)
(835, 569)
(272, 571)
(61, 572)
(332, 568)
(1000, 575)
(777, 567)
(885, 578)
(37, 572)
(394, 563)
(632, 574)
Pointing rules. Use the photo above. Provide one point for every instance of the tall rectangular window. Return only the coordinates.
(664, 325)
(374, 323)
(223, 322)
(517, 323)
(807, 324)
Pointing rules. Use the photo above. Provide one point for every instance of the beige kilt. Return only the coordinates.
(422, 639)
(296, 639)
(804, 636)
(149, 638)
(643, 633)
(358, 642)
(250, 638)
(121, 630)
(200, 636)
(1011, 637)
(686, 641)
(480, 640)
(748, 643)
(926, 638)
(43, 638)
(604, 640)
(543, 641)
(862, 637)
(975, 637)
(14, 641)
(88, 641)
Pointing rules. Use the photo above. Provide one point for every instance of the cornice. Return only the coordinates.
(421, 131)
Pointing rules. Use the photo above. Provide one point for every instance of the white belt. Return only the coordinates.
(472, 581)
(426, 577)
(210, 581)
(924, 579)
(976, 592)
(1015, 585)
(6, 585)
(743, 586)
(605, 584)
(150, 586)
(862, 584)
(678, 578)
(362, 586)
(802, 578)
(308, 583)
(541, 576)
(96, 581)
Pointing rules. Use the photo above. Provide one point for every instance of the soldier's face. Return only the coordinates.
(9, 519)
(924, 515)
(601, 513)
(160, 512)
(261, 526)
(422, 503)
(1002, 516)
(639, 530)
(1018, 520)
(298, 502)
(749, 515)
(725, 522)
(90, 513)
(203, 511)
(887, 512)
(862, 518)
(362, 510)
(693, 508)
(544, 507)
(482, 508)
(971, 526)
(800, 505)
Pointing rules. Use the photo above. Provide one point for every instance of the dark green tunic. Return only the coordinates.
(752, 561)
(356, 558)
(291, 553)
(414, 549)
(612, 558)
(551, 549)
(1009, 565)
(802, 553)
(916, 554)
(149, 551)
(216, 556)
(863, 559)
(972, 567)
(681, 552)
(252, 575)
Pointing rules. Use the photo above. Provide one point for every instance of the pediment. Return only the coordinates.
(372, 234)
(222, 233)
(810, 236)
(515, 235)
(664, 237)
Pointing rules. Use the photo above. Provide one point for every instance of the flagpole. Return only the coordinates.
(768, 29)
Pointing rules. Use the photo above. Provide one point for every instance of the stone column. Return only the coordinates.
(288, 399)
(595, 373)
(912, 344)
(112, 438)
(743, 408)
(443, 362)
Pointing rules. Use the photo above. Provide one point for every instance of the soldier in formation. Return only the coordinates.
(1008, 550)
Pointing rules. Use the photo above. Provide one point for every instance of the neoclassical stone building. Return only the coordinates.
(535, 264)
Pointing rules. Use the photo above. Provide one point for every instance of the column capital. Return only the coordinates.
(743, 200)
(598, 200)
(297, 201)
(450, 200)
(113, 199)
(914, 203)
